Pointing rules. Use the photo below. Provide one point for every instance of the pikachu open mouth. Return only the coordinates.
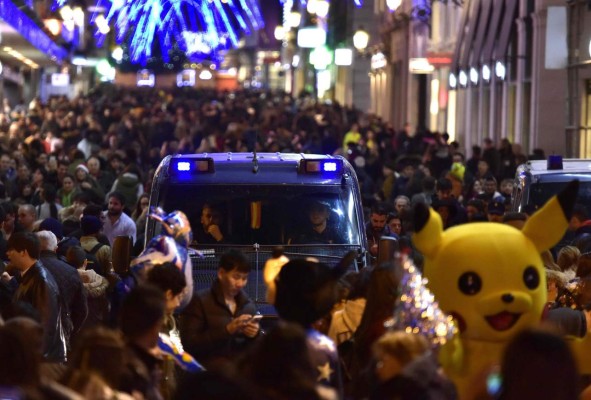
(503, 320)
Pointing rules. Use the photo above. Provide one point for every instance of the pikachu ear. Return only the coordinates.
(428, 229)
(546, 227)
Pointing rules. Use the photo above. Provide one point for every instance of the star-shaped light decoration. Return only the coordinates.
(324, 372)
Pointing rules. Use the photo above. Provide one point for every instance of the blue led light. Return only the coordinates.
(329, 167)
(183, 166)
(197, 27)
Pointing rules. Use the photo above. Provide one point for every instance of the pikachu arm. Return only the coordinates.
(581, 348)
(451, 355)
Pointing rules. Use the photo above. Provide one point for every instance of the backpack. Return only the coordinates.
(92, 262)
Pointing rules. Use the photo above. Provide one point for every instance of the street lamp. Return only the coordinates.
(294, 19)
(360, 39)
(279, 32)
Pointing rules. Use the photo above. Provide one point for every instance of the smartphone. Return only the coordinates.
(256, 318)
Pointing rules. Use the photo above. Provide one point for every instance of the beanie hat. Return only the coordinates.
(82, 167)
(90, 225)
(54, 226)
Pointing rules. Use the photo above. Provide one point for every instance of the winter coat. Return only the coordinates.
(39, 289)
(74, 307)
(203, 325)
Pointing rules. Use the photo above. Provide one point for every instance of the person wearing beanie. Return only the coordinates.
(88, 184)
(91, 227)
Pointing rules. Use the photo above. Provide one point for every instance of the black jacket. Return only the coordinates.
(38, 288)
(203, 325)
(74, 303)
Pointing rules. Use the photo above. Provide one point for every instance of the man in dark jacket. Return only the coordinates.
(217, 324)
(140, 319)
(38, 288)
(74, 304)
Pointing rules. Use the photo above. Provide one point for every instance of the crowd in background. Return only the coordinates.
(67, 167)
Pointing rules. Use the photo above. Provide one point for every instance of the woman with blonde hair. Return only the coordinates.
(406, 369)
(567, 260)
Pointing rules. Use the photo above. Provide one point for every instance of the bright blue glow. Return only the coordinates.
(329, 167)
(183, 166)
(303, 3)
(200, 28)
(28, 29)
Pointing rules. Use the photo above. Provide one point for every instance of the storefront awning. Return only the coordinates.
(507, 28)
(21, 31)
(481, 31)
(475, 7)
(492, 31)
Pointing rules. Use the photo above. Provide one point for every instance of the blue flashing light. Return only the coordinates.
(554, 162)
(183, 166)
(329, 167)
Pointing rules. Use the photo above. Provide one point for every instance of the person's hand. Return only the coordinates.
(251, 329)
(373, 250)
(5, 277)
(86, 185)
(215, 231)
(238, 324)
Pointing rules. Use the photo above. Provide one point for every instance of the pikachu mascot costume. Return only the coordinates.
(490, 278)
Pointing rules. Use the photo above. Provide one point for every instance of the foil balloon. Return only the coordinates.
(170, 246)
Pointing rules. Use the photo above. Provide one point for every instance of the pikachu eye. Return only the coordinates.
(470, 283)
(531, 278)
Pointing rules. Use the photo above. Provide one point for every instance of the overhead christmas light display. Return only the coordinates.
(197, 28)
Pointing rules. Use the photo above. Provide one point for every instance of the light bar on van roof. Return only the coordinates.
(191, 166)
(326, 167)
(554, 162)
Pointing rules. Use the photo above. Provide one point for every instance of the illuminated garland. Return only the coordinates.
(195, 27)
(417, 311)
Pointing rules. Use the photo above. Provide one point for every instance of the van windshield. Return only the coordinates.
(541, 192)
(265, 214)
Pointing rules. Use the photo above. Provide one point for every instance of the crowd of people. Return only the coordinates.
(76, 173)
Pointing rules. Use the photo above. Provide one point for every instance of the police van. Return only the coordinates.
(537, 181)
(260, 201)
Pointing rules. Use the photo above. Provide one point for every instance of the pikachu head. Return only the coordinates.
(490, 276)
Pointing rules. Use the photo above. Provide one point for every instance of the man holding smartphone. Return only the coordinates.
(220, 322)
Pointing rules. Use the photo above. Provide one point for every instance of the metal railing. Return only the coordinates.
(205, 267)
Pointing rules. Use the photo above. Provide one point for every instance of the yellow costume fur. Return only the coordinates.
(491, 278)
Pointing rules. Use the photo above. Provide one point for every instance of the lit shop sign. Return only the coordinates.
(420, 66)
(145, 78)
(343, 57)
(378, 61)
(439, 59)
(60, 79)
(311, 37)
(186, 78)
